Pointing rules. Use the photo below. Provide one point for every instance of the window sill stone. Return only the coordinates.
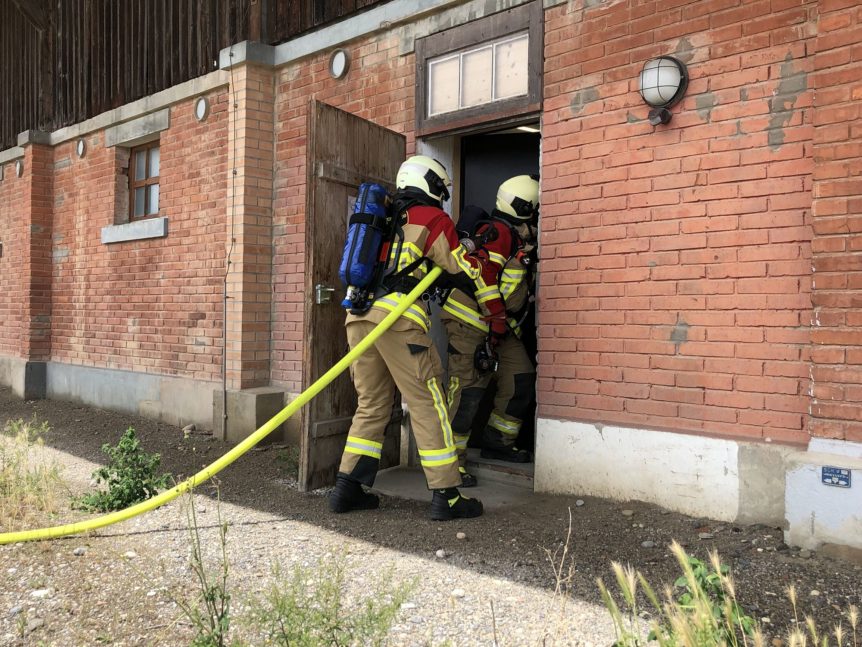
(137, 230)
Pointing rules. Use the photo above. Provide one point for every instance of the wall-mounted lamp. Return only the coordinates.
(19, 168)
(663, 82)
(81, 147)
(202, 108)
(339, 63)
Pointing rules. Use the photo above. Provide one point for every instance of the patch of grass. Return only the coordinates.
(30, 481)
(802, 633)
(288, 460)
(209, 609)
(131, 476)
(308, 607)
(702, 611)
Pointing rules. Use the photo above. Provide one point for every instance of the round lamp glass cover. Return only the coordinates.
(81, 147)
(338, 63)
(660, 81)
(202, 109)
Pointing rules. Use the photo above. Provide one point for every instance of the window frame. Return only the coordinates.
(146, 182)
(528, 18)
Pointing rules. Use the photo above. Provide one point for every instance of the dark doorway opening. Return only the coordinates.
(486, 161)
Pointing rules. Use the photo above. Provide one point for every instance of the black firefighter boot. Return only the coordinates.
(450, 504)
(467, 479)
(508, 453)
(348, 495)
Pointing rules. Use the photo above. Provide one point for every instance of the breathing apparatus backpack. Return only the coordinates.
(370, 232)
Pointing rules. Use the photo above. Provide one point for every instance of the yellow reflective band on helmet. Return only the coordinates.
(499, 259)
(460, 256)
(454, 385)
(487, 294)
(413, 313)
(363, 447)
(465, 314)
(442, 414)
(504, 425)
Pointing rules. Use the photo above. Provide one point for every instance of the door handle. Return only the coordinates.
(323, 294)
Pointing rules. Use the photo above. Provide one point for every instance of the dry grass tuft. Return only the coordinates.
(30, 481)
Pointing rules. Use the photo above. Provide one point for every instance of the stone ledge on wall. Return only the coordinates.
(138, 131)
(137, 230)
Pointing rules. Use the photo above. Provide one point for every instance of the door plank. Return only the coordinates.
(344, 150)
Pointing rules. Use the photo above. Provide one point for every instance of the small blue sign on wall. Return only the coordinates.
(835, 476)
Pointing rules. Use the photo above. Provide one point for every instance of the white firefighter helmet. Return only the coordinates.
(518, 197)
(425, 174)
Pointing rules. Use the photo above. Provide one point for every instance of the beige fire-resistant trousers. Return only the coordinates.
(404, 358)
(516, 384)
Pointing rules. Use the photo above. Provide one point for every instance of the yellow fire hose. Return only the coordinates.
(217, 466)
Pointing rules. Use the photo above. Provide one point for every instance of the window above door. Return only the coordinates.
(483, 71)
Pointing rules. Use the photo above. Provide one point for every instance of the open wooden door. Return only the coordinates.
(343, 151)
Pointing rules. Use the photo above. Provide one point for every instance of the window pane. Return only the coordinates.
(443, 85)
(154, 162)
(476, 77)
(510, 62)
(141, 165)
(153, 204)
(139, 201)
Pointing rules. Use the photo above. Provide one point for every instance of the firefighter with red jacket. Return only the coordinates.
(404, 356)
(476, 349)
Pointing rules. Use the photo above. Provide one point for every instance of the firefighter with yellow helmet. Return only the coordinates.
(404, 356)
(476, 351)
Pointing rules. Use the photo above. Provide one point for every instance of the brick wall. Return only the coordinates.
(837, 246)
(12, 235)
(380, 88)
(250, 148)
(146, 305)
(675, 286)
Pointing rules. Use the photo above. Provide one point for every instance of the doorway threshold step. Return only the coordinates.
(515, 474)
(409, 483)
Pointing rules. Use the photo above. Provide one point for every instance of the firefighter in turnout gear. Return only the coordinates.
(404, 357)
(474, 348)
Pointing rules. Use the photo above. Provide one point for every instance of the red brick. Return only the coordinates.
(675, 394)
(734, 399)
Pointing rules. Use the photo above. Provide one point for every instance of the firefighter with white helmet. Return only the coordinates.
(404, 356)
(475, 350)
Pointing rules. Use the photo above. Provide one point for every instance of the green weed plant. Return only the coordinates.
(131, 476)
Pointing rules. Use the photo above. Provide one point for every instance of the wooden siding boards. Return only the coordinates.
(64, 61)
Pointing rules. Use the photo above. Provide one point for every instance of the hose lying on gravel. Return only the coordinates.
(214, 468)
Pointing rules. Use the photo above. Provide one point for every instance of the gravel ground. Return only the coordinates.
(119, 586)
